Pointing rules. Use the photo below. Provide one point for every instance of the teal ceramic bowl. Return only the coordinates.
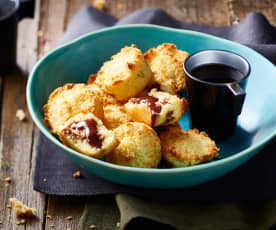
(74, 62)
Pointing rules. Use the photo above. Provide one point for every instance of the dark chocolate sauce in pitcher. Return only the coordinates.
(217, 73)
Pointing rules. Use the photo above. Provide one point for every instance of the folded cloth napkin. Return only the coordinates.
(137, 213)
(253, 181)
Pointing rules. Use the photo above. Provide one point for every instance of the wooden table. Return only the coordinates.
(35, 38)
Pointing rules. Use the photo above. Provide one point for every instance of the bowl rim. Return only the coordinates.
(100, 163)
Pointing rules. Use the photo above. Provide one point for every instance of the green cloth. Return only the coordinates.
(101, 211)
(138, 213)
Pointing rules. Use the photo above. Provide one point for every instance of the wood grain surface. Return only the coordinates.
(40, 35)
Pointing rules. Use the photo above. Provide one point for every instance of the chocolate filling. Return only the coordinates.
(165, 101)
(169, 117)
(156, 85)
(152, 103)
(89, 129)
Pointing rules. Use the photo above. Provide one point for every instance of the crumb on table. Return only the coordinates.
(49, 217)
(8, 179)
(22, 221)
(68, 218)
(92, 226)
(99, 4)
(20, 114)
(39, 33)
(22, 210)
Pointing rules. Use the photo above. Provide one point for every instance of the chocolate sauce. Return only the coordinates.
(165, 101)
(217, 73)
(152, 103)
(169, 117)
(91, 134)
(156, 85)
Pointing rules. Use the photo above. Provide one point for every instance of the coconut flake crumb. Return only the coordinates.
(22, 210)
(39, 33)
(20, 114)
(49, 217)
(68, 218)
(99, 4)
(8, 179)
(22, 221)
